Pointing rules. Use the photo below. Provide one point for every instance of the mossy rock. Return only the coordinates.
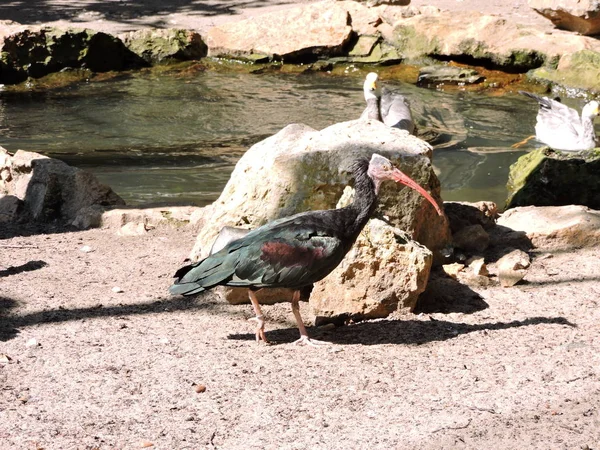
(157, 46)
(545, 177)
(579, 70)
(35, 53)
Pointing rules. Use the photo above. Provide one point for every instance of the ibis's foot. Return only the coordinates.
(260, 330)
(305, 340)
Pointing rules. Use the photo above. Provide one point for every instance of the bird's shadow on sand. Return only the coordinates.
(27, 267)
(406, 332)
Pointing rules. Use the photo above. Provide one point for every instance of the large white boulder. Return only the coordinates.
(301, 169)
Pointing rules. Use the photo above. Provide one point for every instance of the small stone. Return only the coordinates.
(86, 249)
(200, 388)
(478, 266)
(4, 359)
(513, 267)
(145, 444)
(32, 343)
(453, 269)
(117, 290)
(471, 279)
(164, 341)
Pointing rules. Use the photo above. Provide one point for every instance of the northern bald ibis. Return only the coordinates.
(386, 106)
(561, 128)
(294, 252)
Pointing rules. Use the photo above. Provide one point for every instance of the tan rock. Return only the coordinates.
(150, 217)
(453, 269)
(159, 45)
(555, 227)
(325, 30)
(513, 267)
(483, 36)
(478, 267)
(132, 229)
(385, 271)
(581, 16)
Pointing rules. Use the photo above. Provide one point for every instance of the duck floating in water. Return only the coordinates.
(561, 127)
(391, 108)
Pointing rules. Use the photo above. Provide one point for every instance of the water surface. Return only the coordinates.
(174, 138)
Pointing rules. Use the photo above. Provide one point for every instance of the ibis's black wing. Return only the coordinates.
(292, 252)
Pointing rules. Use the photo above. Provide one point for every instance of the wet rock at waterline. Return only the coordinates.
(301, 169)
(438, 74)
(156, 46)
(544, 177)
(577, 70)
(580, 16)
(35, 52)
(555, 227)
(385, 271)
(49, 189)
(485, 38)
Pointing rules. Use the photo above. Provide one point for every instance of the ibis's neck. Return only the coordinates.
(365, 201)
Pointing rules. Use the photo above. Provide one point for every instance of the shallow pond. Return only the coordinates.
(173, 138)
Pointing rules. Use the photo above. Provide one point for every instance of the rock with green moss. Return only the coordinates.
(38, 52)
(487, 39)
(580, 70)
(548, 178)
(163, 45)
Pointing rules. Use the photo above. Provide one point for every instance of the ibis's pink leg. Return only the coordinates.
(260, 319)
(304, 339)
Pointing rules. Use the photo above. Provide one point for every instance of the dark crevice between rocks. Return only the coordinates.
(516, 63)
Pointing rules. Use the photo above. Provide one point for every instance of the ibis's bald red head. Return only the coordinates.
(381, 169)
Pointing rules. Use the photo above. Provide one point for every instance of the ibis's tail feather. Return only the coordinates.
(186, 289)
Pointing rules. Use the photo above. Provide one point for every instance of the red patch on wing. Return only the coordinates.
(289, 255)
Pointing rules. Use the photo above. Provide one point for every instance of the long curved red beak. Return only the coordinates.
(400, 177)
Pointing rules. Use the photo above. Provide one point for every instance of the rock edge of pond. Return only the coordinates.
(342, 34)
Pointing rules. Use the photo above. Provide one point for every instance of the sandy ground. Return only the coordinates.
(84, 367)
(514, 368)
